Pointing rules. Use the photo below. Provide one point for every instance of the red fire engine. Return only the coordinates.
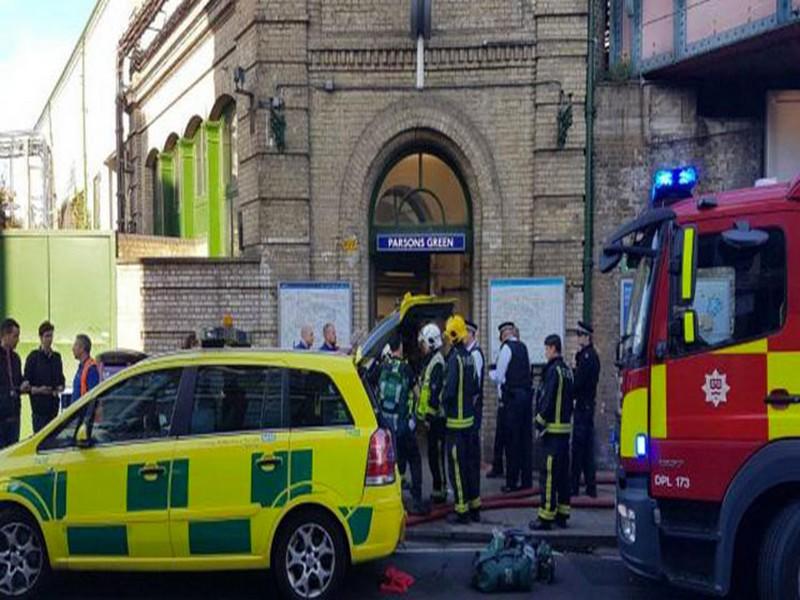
(708, 490)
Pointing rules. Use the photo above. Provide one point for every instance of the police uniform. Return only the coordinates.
(430, 410)
(460, 388)
(518, 414)
(479, 360)
(553, 421)
(587, 373)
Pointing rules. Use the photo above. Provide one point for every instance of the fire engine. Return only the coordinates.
(708, 485)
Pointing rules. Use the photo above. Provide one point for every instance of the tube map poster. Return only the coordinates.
(535, 305)
(314, 303)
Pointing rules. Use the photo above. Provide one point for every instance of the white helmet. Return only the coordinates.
(431, 335)
(386, 352)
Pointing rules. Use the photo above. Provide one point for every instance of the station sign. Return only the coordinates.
(421, 242)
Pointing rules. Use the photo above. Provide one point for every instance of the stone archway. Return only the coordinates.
(405, 123)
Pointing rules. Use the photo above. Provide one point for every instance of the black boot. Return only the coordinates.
(475, 515)
(540, 525)
(458, 518)
(562, 522)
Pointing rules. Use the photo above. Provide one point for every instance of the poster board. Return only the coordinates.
(535, 305)
(314, 303)
(714, 302)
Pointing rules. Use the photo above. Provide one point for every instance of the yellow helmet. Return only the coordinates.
(456, 328)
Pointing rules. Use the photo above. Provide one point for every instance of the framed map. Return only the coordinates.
(535, 305)
(314, 303)
(714, 302)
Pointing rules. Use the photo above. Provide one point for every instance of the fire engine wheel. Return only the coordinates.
(779, 563)
(309, 558)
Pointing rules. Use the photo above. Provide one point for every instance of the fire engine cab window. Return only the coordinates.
(741, 292)
(314, 401)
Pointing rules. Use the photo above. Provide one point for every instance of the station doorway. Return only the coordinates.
(421, 232)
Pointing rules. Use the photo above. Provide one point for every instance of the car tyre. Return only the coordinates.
(24, 564)
(309, 556)
(779, 562)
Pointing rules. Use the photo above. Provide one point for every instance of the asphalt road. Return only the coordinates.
(441, 572)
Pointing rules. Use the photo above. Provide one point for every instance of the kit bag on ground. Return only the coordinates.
(512, 561)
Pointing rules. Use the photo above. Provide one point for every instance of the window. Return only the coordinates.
(741, 292)
(64, 435)
(315, 401)
(228, 399)
(139, 408)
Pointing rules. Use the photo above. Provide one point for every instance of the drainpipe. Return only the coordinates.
(120, 145)
(588, 208)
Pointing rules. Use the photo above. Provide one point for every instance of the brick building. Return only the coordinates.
(284, 137)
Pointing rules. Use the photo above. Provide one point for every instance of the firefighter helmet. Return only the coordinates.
(456, 328)
(432, 336)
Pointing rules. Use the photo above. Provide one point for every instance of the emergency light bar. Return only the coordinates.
(670, 185)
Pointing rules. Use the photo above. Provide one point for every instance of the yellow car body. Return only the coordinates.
(181, 497)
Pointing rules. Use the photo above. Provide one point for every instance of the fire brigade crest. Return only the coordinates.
(716, 388)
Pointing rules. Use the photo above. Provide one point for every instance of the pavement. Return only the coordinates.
(441, 571)
(589, 528)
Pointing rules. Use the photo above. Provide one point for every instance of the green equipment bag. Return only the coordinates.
(512, 561)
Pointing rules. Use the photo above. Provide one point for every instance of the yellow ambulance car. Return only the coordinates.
(220, 459)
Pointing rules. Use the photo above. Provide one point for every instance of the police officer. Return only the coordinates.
(587, 373)
(396, 396)
(513, 378)
(458, 395)
(553, 425)
(479, 360)
(429, 407)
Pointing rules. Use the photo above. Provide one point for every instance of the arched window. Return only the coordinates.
(196, 133)
(421, 190)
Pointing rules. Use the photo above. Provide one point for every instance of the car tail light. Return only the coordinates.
(380, 459)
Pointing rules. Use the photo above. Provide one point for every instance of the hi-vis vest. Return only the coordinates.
(424, 407)
(85, 374)
(395, 392)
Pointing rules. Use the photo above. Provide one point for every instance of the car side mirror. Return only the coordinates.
(83, 438)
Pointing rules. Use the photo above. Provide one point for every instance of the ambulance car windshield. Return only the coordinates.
(635, 338)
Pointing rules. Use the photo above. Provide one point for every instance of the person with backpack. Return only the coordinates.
(396, 400)
(429, 408)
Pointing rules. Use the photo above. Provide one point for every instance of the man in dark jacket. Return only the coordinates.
(11, 383)
(587, 373)
(44, 372)
(553, 415)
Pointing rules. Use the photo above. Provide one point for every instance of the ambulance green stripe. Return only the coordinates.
(219, 537)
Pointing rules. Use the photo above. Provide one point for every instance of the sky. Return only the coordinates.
(36, 40)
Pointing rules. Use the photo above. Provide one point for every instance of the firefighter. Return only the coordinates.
(513, 377)
(458, 395)
(396, 395)
(553, 425)
(479, 361)
(429, 407)
(587, 373)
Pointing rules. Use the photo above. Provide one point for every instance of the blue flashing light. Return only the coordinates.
(641, 445)
(673, 184)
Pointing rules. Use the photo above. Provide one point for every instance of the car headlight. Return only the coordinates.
(627, 523)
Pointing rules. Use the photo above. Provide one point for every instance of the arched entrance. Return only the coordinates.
(420, 231)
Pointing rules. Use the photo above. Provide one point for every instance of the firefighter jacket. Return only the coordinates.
(460, 389)
(554, 406)
(430, 387)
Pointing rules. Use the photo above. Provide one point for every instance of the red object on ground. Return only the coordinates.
(396, 581)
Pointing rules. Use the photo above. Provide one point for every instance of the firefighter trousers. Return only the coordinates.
(462, 455)
(583, 454)
(500, 437)
(554, 478)
(436, 462)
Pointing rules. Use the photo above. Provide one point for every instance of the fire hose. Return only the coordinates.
(527, 498)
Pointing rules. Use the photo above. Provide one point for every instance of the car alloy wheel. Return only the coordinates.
(310, 560)
(21, 559)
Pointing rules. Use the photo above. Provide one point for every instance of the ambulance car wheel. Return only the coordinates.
(24, 565)
(309, 558)
(779, 563)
